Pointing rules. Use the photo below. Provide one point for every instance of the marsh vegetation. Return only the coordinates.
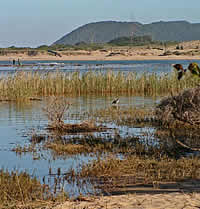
(21, 190)
(30, 85)
(123, 145)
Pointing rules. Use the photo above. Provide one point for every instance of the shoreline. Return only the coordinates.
(176, 200)
(190, 51)
(94, 58)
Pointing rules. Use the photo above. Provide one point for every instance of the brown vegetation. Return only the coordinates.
(182, 110)
(56, 110)
(114, 174)
(29, 86)
(20, 190)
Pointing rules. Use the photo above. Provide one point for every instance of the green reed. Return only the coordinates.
(23, 85)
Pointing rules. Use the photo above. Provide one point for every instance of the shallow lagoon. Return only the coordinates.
(19, 120)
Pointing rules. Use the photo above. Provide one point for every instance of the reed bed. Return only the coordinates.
(26, 85)
(165, 169)
(21, 190)
(111, 173)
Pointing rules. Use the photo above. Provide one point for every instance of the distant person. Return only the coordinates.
(19, 63)
(13, 61)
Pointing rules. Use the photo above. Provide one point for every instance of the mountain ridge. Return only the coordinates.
(105, 31)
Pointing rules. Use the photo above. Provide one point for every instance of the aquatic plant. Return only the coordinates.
(112, 172)
(28, 85)
(55, 111)
(21, 190)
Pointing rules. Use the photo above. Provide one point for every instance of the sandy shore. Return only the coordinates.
(137, 54)
(97, 57)
(133, 201)
(169, 195)
(189, 50)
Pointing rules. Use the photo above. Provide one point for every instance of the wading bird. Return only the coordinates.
(115, 101)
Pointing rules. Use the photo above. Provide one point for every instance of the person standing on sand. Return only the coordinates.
(13, 61)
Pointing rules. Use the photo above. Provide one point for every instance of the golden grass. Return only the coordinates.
(69, 149)
(23, 149)
(25, 85)
(86, 126)
(20, 190)
(143, 170)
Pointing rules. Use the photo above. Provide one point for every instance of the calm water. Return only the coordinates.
(157, 66)
(18, 120)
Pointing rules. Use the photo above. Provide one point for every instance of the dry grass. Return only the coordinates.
(26, 85)
(56, 110)
(85, 126)
(96, 145)
(181, 110)
(112, 172)
(23, 149)
(63, 149)
(20, 190)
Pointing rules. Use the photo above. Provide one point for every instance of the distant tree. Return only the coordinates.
(42, 47)
(81, 43)
(137, 40)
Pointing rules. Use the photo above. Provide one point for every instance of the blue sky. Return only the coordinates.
(38, 22)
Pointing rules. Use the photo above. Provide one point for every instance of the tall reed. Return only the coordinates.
(22, 85)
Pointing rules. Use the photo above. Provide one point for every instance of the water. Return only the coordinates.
(157, 66)
(18, 120)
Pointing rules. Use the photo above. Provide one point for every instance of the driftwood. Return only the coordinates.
(55, 53)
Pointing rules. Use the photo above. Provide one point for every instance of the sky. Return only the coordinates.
(32, 23)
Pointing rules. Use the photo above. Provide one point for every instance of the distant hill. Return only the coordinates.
(103, 32)
(100, 32)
